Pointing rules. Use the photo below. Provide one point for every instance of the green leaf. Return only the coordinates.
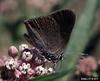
(80, 36)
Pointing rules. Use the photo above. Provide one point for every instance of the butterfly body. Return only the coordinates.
(52, 57)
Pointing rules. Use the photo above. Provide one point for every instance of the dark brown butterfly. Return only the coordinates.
(50, 34)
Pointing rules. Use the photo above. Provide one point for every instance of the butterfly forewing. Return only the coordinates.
(66, 21)
(52, 32)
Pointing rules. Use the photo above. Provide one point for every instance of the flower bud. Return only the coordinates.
(13, 51)
(50, 70)
(23, 47)
(40, 70)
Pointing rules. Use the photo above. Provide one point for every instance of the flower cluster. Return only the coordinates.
(23, 63)
(87, 66)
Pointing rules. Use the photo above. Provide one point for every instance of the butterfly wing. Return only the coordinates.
(66, 21)
(32, 37)
(51, 32)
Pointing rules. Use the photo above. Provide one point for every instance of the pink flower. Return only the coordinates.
(13, 51)
(99, 62)
(86, 65)
(22, 47)
(17, 73)
(11, 63)
(40, 70)
(26, 55)
(2, 61)
(31, 72)
(26, 65)
(26, 69)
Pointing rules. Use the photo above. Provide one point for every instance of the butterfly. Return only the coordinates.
(50, 34)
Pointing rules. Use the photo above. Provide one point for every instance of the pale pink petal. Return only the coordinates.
(31, 72)
(2, 63)
(17, 73)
